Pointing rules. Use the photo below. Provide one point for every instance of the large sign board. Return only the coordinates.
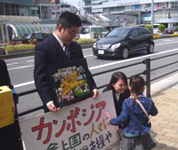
(81, 126)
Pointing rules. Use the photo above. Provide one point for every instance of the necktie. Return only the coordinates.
(66, 50)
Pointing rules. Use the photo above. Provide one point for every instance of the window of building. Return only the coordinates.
(2, 9)
(87, 2)
(7, 9)
(13, 10)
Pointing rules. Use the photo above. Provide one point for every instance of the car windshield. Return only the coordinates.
(118, 32)
(156, 28)
(84, 30)
(26, 36)
(38, 36)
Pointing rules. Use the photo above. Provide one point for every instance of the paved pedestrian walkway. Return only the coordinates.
(165, 124)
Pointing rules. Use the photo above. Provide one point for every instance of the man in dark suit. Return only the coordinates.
(52, 51)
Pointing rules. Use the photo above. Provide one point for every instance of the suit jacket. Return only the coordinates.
(118, 103)
(51, 52)
(5, 79)
(4, 76)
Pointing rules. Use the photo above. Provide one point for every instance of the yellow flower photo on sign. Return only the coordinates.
(69, 82)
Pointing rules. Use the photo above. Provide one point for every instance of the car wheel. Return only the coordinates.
(125, 53)
(150, 49)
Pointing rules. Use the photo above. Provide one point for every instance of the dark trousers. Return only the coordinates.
(10, 137)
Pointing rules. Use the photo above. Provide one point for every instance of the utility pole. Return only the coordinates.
(57, 2)
(40, 11)
(152, 14)
(139, 14)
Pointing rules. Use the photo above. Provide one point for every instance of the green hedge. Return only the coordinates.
(161, 27)
(18, 47)
(149, 27)
(32, 46)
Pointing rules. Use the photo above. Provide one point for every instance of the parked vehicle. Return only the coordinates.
(155, 28)
(93, 32)
(32, 38)
(122, 41)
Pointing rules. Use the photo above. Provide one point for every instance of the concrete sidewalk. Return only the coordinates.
(165, 124)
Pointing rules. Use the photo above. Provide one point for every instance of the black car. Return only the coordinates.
(122, 41)
(31, 37)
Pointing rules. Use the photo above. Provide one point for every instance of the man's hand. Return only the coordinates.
(95, 93)
(52, 107)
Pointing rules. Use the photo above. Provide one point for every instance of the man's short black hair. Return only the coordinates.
(67, 19)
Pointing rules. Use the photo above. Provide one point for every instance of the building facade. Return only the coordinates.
(16, 7)
(19, 17)
(44, 9)
(51, 10)
(165, 11)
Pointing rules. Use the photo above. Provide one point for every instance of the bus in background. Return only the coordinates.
(155, 28)
(92, 32)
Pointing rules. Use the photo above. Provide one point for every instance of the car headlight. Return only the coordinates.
(94, 45)
(115, 46)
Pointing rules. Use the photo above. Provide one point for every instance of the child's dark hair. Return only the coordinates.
(67, 19)
(114, 78)
(137, 84)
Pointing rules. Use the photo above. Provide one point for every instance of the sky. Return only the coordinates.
(73, 2)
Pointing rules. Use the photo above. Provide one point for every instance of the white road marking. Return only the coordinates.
(23, 84)
(19, 58)
(108, 64)
(21, 67)
(88, 55)
(166, 43)
(87, 49)
(167, 40)
(30, 60)
(15, 63)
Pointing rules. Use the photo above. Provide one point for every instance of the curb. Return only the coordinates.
(164, 37)
(164, 84)
(12, 52)
(9, 56)
(87, 45)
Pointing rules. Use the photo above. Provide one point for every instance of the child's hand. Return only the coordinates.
(108, 116)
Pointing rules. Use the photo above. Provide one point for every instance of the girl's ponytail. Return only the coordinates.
(137, 84)
(135, 97)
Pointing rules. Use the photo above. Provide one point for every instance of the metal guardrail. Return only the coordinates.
(146, 72)
(163, 66)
